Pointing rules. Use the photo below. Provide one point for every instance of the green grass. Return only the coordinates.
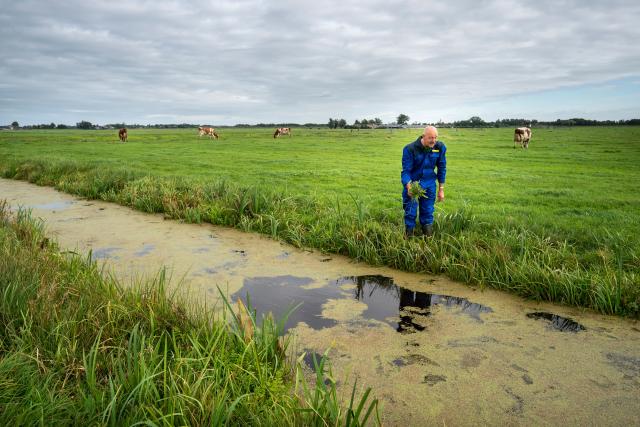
(556, 222)
(77, 348)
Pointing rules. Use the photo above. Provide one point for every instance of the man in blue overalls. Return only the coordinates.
(420, 159)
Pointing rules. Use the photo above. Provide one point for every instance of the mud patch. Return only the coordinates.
(560, 323)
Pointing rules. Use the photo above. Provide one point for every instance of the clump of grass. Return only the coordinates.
(415, 190)
(78, 348)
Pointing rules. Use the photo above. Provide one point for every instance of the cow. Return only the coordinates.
(122, 134)
(282, 131)
(522, 136)
(205, 130)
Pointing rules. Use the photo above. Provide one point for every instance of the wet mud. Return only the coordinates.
(434, 351)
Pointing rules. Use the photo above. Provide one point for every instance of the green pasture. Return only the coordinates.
(561, 214)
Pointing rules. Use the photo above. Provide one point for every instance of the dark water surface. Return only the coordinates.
(401, 308)
(560, 323)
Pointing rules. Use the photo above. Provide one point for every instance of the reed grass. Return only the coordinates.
(77, 348)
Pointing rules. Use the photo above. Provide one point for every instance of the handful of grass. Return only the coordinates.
(415, 190)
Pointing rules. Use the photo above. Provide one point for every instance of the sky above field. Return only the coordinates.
(251, 61)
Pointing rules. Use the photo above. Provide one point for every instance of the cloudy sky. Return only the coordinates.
(250, 61)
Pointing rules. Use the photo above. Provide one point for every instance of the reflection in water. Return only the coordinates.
(280, 293)
(387, 300)
(402, 308)
(560, 323)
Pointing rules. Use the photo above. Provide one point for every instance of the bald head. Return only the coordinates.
(430, 136)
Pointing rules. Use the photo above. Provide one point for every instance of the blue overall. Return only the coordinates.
(420, 163)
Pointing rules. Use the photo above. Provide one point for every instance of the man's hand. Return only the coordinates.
(409, 189)
(441, 194)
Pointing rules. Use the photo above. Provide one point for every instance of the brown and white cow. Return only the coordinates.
(522, 136)
(122, 134)
(205, 130)
(282, 131)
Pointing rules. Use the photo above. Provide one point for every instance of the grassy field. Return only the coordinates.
(556, 222)
(103, 354)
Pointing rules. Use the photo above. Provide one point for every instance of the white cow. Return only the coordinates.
(522, 136)
(205, 130)
(282, 131)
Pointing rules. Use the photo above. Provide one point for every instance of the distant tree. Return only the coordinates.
(342, 123)
(84, 125)
(402, 119)
(331, 124)
(15, 125)
(378, 121)
(477, 121)
(61, 126)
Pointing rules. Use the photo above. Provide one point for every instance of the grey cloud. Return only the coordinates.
(250, 61)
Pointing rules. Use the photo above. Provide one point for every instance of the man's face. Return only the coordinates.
(429, 138)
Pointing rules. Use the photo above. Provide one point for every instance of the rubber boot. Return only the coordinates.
(409, 233)
(427, 230)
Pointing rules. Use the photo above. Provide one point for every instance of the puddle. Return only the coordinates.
(385, 301)
(403, 308)
(279, 294)
(560, 323)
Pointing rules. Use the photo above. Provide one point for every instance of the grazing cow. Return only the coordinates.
(522, 136)
(282, 131)
(205, 130)
(122, 134)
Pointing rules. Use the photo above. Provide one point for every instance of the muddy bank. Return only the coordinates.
(433, 350)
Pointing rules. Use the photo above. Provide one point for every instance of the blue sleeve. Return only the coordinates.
(407, 164)
(442, 165)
